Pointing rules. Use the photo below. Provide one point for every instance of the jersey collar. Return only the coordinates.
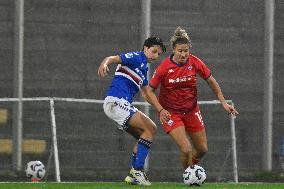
(172, 60)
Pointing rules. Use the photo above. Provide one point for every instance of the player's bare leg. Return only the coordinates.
(199, 141)
(180, 137)
(135, 132)
(147, 127)
(142, 126)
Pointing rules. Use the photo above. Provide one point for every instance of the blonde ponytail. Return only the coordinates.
(180, 37)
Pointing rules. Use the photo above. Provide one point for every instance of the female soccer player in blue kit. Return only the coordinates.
(130, 78)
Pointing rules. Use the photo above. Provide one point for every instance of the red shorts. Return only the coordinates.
(192, 121)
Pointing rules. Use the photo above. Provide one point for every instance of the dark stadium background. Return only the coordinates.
(64, 43)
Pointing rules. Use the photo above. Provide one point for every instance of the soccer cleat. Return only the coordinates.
(140, 177)
(129, 179)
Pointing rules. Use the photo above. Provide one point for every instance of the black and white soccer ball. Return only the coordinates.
(35, 170)
(194, 175)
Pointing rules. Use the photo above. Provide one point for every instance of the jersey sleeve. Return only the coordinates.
(202, 69)
(128, 59)
(157, 77)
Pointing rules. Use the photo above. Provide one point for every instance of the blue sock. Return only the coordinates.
(133, 159)
(143, 148)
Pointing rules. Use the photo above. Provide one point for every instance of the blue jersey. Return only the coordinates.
(129, 76)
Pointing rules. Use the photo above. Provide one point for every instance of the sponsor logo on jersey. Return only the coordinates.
(171, 71)
(179, 80)
(130, 54)
(140, 73)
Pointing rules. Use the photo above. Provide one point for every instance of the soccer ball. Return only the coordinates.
(35, 170)
(194, 175)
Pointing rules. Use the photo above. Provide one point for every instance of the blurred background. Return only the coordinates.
(64, 42)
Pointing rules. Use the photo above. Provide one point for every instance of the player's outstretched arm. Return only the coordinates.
(218, 92)
(103, 69)
(149, 95)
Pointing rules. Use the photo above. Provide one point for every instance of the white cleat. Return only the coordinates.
(129, 179)
(140, 177)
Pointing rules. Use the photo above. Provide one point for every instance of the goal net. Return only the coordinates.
(77, 142)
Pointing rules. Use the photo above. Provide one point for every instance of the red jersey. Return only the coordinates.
(178, 92)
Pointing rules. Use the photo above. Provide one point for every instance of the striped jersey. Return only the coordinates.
(129, 76)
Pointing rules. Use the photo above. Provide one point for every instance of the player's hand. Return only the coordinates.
(165, 116)
(103, 70)
(230, 109)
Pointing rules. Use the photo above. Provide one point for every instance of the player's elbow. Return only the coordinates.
(113, 59)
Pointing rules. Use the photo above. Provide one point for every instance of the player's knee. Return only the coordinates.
(150, 131)
(151, 128)
(185, 147)
(154, 129)
(149, 125)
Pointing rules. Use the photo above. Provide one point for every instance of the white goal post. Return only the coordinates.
(52, 100)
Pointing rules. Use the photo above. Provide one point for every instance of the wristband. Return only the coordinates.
(161, 110)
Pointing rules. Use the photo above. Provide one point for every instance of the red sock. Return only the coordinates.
(194, 160)
(35, 180)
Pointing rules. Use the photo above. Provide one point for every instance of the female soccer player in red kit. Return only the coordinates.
(177, 77)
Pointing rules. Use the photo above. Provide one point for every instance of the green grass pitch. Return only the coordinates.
(117, 185)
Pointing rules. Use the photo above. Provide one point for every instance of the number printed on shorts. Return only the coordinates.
(198, 114)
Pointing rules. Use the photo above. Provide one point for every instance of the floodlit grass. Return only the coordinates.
(117, 185)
